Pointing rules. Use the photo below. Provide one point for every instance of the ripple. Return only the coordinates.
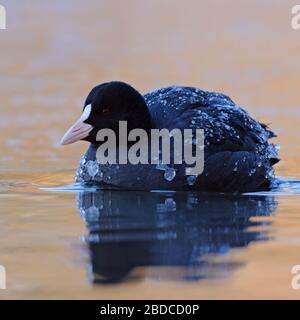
(282, 187)
(75, 187)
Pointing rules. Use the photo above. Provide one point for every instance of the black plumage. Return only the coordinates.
(237, 152)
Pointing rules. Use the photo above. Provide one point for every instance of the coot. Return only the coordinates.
(237, 154)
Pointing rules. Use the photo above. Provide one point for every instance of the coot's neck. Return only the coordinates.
(138, 120)
(141, 119)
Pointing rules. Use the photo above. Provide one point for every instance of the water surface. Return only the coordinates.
(61, 241)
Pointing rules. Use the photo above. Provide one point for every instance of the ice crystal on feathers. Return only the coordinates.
(92, 168)
(191, 180)
(170, 174)
(83, 161)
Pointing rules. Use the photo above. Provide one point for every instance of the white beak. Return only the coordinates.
(79, 130)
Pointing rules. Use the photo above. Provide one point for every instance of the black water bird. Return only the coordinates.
(237, 154)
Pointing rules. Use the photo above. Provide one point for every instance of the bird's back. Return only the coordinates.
(238, 155)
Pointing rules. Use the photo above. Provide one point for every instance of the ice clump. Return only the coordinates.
(273, 150)
(169, 174)
(92, 168)
(191, 180)
(83, 161)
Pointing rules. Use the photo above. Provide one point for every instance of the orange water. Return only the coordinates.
(53, 52)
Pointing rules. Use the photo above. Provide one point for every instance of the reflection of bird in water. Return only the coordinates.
(128, 230)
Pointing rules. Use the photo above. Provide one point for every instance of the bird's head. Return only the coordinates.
(106, 105)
